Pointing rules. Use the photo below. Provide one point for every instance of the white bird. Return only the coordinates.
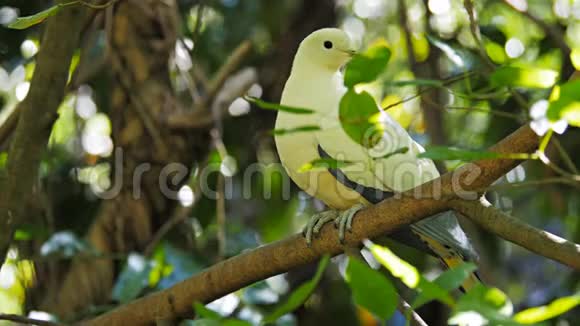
(316, 82)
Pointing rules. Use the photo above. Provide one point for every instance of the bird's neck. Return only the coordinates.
(304, 67)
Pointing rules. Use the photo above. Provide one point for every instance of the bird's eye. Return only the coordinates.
(328, 44)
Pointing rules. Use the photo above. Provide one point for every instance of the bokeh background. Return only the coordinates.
(82, 255)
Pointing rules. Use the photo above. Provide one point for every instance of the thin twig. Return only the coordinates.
(565, 156)
(198, 20)
(508, 115)
(232, 64)
(445, 83)
(475, 33)
(27, 321)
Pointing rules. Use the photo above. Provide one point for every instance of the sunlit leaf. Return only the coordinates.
(29, 21)
(360, 118)
(324, 164)
(397, 266)
(448, 153)
(308, 128)
(495, 52)
(3, 159)
(429, 291)
(133, 279)
(449, 280)
(277, 107)
(575, 58)
(367, 66)
(300, 295)
(202, 311)
(370, 289)
(555, 308)
(565, 103)
(524, 77)
(490, 304)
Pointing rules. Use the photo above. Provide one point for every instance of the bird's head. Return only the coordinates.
(328, 47)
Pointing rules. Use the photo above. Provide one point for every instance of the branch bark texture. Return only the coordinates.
(281, 256)
(37, 114)
(518, 232)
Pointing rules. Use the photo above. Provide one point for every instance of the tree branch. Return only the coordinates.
(518, 232)
(21, 320)
(555, 35)
(281, 256)
(37, 113)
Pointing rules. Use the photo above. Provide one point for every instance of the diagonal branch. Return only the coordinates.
(518, 232)
(37, 113)
(281, 256)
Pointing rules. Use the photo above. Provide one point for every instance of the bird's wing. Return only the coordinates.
(376, 176)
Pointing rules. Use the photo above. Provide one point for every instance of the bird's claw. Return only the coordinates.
(342, 221)
(316, 223)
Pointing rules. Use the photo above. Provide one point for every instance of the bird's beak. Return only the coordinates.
(350, 53)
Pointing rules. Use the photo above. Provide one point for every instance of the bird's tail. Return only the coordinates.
(451, 258)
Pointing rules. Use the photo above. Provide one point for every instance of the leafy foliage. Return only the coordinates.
(370, 289)
(300, 295)
(277, 107)
(360, 118)
(524, 77)
(367, 66)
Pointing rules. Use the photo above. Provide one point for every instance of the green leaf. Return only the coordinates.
(133, 279)
(324, 164)
(448, 153)
(555, 308)
(429, 291)
(460, 57)
(397, 266)
(359, 116)
(204, 322)
(488, 303)
(3, 159)
(524, 77)
(308, 128)
(277, 107)
(439, 289)
(370, 289)
(201, 311)
(567, 104)
(367, 66)
(29, 21)
(415, 82)
(452, 278)
(402, 150)
(300, 295)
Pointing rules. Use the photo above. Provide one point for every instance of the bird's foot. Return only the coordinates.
(316, 223)
(344, 220)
